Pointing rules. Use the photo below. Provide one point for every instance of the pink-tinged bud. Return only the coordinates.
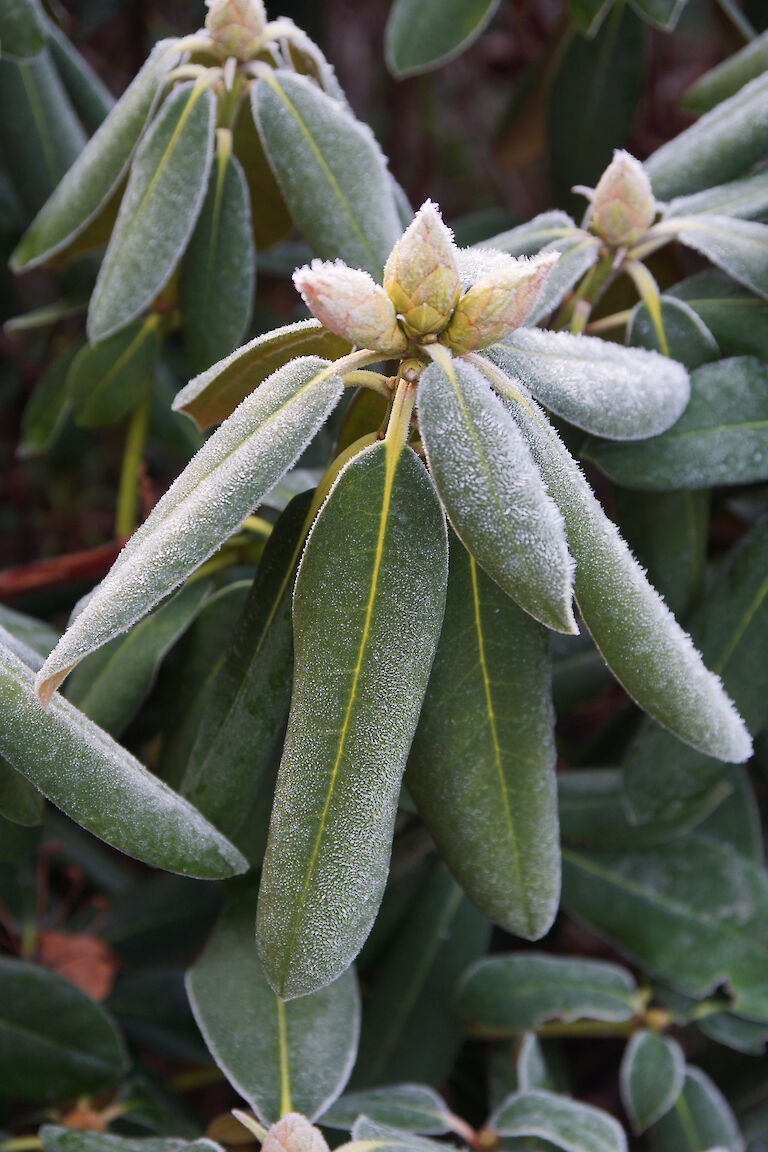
(421, 277)
(236, 26)
(294, 1133)
(623, 207)
(350, 303)
(498, 302)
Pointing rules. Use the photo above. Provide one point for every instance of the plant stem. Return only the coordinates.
(588, 293)
(738, 19)
(399, 426)
(125, 515)
(21, 1144)
(648, 291)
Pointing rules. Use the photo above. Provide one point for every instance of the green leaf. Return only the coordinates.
(692, 912)
(746, 198)
(272, 221)
(330, 169)
(588, 15)
(621, 393)
(90, 97)
(369, 597)
(532, 1066)
(663, 14)
(720, 146)
(578, 671)
(739, 247)
(735, 1033)
(215, 394)
(220, 486)
(47, 409)
(700, 1120)
(244, 712)
(111, 684)
(512, 993)
(639, 639)
(410, 1026)
(423, 34)
(107, 379)
(689, 341)
(529, 238)
(493, 493)
(81, 1140)
(280, 1057)
(54, 1040)
(568, 1124)
(737, 820)
(652, 1077)
(578, 254)
(726, 78)
(22, 31)
(721, 438)
(492, 814)
(162, 201)
(737, 319)
(218, 272)
(732, 628)
(34, 633)
(20, 802)
(369, 1136)
(413, 1107)
(99, 169)
(43, 137)
(60, 750)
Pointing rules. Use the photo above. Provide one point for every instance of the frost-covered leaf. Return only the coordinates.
(529, 239)
(271, 221)
(220, 486)
(91, 98)
(244, 712)
(369, 598)
(280, 1057)
(55, 1042)
(720, 146)
(621, 393)
(639, 639)
(492, 814)
(532, 1068)
(736, 821)
(701, 1121)
(47, 408)
(107, 379)
(588, 15)
(568, 1124)
(736, 318)
(662, 13)
(20, 802)
(219, 268)
(693, 912)
(330, 169)
(370, 1136)
(689, 341)
(732, 629)
(22, 29)
(162, 201)
(746, 198)
(493, 493)
(82, 1140)
(578, 253)
(414, 1107)
(733, 1032)
(518, 991)
(652, 1077)
(99, 169)
(60, 750)
(739, 247)
(721, 438)
(215, 394)
(423, 34)
(726, 78)
(410, 1026)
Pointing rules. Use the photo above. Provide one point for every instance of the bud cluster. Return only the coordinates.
(421, 300)
(236, 26)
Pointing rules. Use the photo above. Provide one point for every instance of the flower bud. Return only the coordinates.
(499, 301)
(294, 1133)
(623, 206)
(350, 303)
(236, 26)
(420, 276)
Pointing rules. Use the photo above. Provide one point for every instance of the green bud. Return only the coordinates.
(498, 301)
(350, 303)
(623, 207)
(236, 26)
(421, 277)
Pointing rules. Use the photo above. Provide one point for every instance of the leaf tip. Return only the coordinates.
(46, 685)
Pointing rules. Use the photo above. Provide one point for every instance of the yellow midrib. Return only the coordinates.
(285, 1079)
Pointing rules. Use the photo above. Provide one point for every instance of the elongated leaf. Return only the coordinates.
(330, 169)
(54, 1040)
(737, 820)
(99, 169)
(737, 319)
(532, 1067)
(739, 247)
(271, 221)
(90, 97)
(414, 1107)
(514, 992)
(423, 34)
(215, 394)
(220, 486)
(293, 1057)
(732, 629)
(588, 15)
(492, 491)
(727, 78)
(162, 201)
(81, 1140)
(702, 1120)
(246, 708)
(22, 29)
(578, 253)
(482, 768)
(637, 635)
(219, 269)
(370, 1136)
(733, 1032)
(721, 438)
(692, 912)
(47, 409)
(621, 393)
(568, 1124)
(723, 144)
(662, 13)
(369, 597)
(106, 380)
(60, 750)
(578, 671)
(746, 198)
(689, 341)
(20, 802)
(528, 239)
(410, 1026)
(652, 1077)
